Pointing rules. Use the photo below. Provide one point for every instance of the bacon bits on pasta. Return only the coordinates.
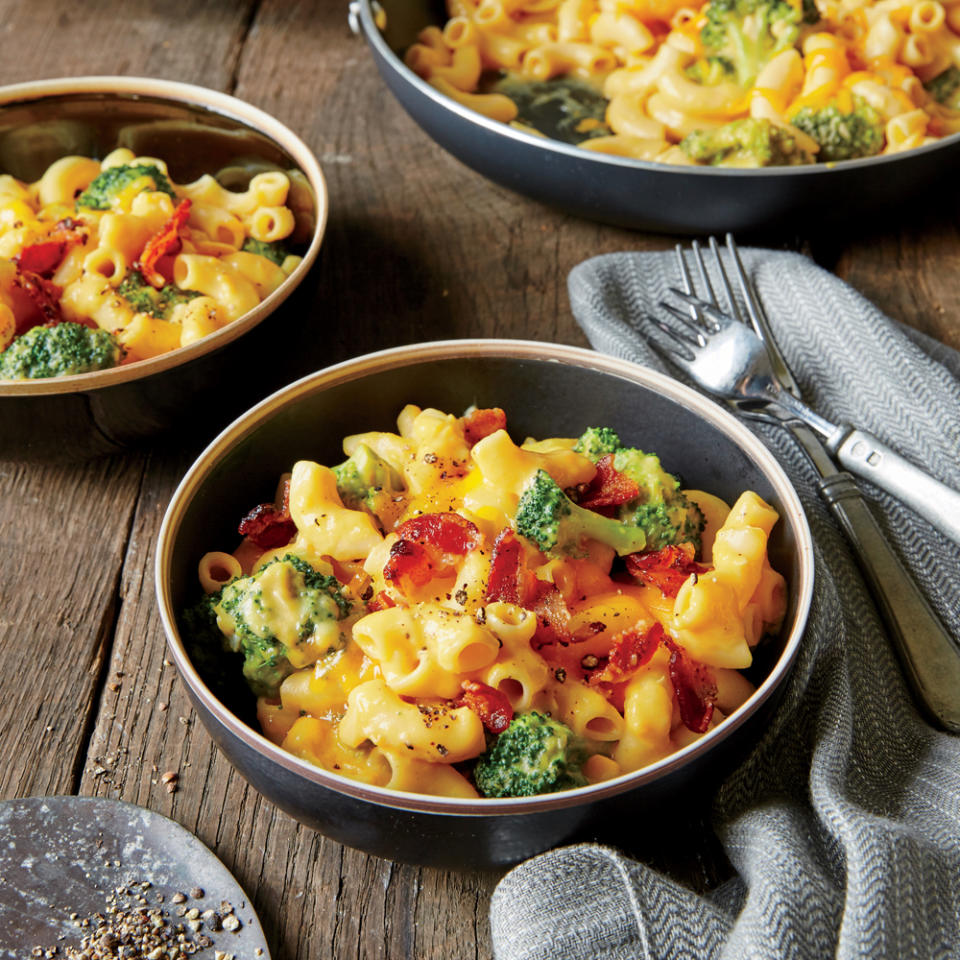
(405, 622)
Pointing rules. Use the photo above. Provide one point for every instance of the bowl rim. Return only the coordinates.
(361, 12)
(212, 101)
(413, 354)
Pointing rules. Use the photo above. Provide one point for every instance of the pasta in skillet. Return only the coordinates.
(107, 262)
(449, 613)
(727, 82)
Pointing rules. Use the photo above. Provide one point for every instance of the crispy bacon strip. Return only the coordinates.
(667, 569)
(162, 244)
(46, 298)
(430, 545)
(380, 602)
(508, 577)
(481, 423)
(44, 257)
(631, 649)
(41, 258)
(695, 688)
(489, 704)
(268, 527)
(511, 582)
(553, 617)
(609, 487)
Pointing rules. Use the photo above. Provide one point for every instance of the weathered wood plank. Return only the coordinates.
(196, 41)
(63, 533)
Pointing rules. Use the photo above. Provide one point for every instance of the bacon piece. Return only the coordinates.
(631, 649)
(695, 688)
(553, 617)
(481, 423)
(666, 569)
(380, 602)
(41, 258)
(268, 527)
(489, 704)
(511, 582)
(162, 244)
(508, 577)
(45, 296)
(44, 257)
(430, 545)
(609, 487)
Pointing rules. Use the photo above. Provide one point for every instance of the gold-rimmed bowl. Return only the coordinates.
(547, 390)
(196, 131)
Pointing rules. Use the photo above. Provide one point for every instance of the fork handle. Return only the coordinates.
(863, 454)
(930, 656)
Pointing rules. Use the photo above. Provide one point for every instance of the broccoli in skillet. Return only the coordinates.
(535, 754)
(58, 351)
(745, 143)
(945, 88)
(114, 180)
(744, 35)
(844, 133)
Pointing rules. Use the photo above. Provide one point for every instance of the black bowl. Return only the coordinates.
(641, 194)
(546, 391)
(196, 131)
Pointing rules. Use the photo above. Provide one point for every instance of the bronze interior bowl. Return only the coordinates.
(546, 390)
(196, 131)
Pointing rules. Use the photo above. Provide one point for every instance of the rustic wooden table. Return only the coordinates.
(418, 248)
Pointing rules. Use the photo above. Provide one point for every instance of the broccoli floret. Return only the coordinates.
(535, 754)
(58, 351)
(596, 442)
(300, 606)
(662, 510)
(710, 71)
(114, 180)
(143, 298)
(548, 517)
(745, 143)
(276, 252)
(842, 135)
(748, 33)
(945, 88)
(366, 481)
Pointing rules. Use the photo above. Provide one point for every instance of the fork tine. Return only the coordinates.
(709, 310)
(680, 352)
(692, 334)
(725, 280)
(689, 288)
(760, 323)
(702, 270)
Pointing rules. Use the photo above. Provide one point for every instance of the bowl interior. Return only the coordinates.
(191, 138)
(542, 398)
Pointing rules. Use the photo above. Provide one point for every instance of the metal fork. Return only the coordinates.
(929, 654)
(730, 360)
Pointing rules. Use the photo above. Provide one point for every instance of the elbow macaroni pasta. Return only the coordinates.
(66, 258)
(435, 644)
(662, 82)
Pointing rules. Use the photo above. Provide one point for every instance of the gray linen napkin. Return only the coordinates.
(844, 823)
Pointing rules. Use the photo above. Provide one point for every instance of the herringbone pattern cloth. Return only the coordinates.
(843, 825)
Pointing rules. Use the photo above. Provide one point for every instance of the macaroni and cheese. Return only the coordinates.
(450, 613)
(727, 82)
(131, 264)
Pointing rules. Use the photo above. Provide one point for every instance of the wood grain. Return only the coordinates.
(418, 247)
